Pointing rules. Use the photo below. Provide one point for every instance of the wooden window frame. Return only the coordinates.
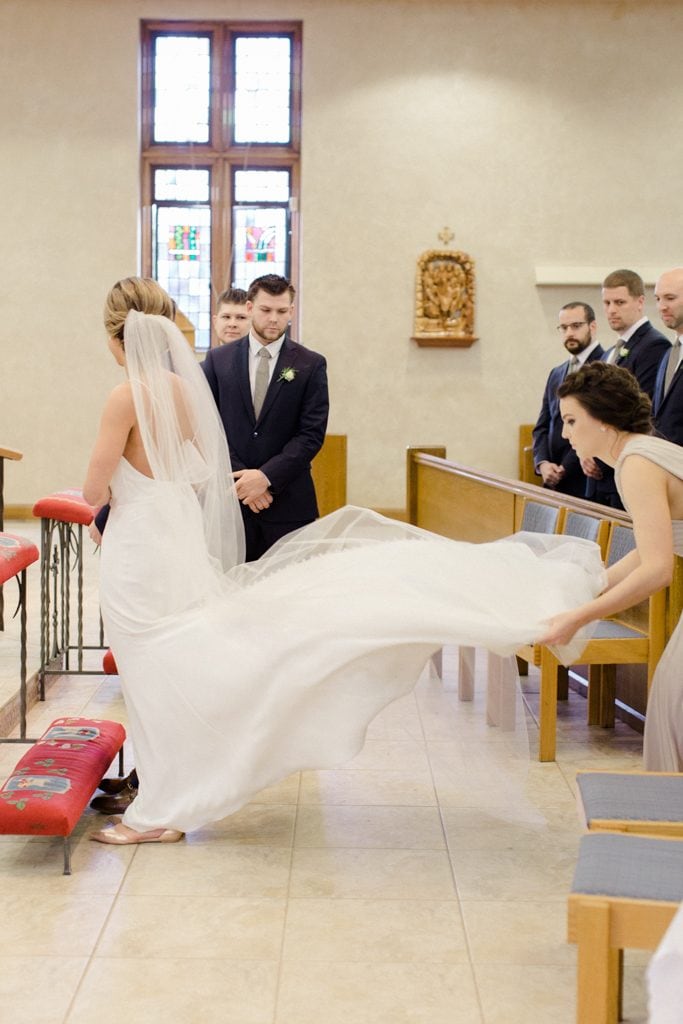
(221, 155)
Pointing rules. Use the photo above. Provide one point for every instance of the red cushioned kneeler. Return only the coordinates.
(109, 664)
(47, 791)
(16, 553)
(65, 507)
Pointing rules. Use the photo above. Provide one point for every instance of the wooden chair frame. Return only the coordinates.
(603, 654)
(648, 621)
(601, 927)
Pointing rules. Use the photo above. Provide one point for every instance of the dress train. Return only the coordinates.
(232, 682)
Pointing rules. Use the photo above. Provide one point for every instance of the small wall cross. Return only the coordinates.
(446, 235)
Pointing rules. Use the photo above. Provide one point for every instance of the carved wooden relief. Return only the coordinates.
(444, 299)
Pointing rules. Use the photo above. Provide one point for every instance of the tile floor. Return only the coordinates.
(409, 887)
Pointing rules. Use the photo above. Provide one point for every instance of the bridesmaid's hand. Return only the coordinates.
(561, 629)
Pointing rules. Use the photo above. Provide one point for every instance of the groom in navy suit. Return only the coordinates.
(554, 458)
(272, 396)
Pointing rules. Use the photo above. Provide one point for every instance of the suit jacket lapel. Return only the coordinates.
(632, 343)
(661, 396)
(242, 360)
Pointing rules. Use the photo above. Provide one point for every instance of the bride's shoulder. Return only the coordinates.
(120, 399)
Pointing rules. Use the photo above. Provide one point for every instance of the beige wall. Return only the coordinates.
(544, 134)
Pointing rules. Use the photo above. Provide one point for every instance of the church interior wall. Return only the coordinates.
(543, 134)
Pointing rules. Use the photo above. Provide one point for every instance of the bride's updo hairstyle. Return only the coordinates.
(140, 293)
(610, 394)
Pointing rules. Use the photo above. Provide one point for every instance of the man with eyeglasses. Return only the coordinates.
(554, 459)
(640, 348)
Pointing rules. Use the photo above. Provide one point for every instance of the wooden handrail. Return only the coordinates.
(10, 453)
(418, 457)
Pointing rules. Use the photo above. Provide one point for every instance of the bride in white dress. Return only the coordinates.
(236, 675)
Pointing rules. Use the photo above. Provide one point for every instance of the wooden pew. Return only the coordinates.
(329, 474)
(525, 455)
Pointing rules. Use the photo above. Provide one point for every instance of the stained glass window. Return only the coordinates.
(260, 225)
(260, 240)
(182, 249)
(263, 73)
(182, 88)
(220, 129)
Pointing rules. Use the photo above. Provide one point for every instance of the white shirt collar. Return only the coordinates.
(627, 335)
(273, 347)
(583, 356)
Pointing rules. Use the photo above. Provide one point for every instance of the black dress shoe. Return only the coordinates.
(112, 786)
(117, 803)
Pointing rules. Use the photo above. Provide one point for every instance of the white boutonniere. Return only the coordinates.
(288, 373)
(623, 352)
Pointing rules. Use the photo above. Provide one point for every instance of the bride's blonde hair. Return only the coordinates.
(140, 293)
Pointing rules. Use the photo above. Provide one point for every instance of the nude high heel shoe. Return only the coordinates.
(121, 835)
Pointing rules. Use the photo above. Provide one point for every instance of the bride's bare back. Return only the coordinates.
(120, 435)
(134, 450)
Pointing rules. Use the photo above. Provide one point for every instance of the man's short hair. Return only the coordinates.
(588, 311)
(271, 283)
(235, 296)
(625, 279)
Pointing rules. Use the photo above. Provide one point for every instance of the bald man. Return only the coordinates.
(668, 395)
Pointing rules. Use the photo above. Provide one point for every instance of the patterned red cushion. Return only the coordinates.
(66, 507)
(109, 664)
(15, 554)
(47, 792)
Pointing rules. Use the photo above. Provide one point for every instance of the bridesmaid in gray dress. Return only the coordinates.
(606, 415)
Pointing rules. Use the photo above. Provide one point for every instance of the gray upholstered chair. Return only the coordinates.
(637, 802)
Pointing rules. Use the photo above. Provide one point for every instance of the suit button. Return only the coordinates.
(255, 434)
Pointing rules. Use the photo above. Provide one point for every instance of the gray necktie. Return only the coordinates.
(573, 364)
(614, 352)
(262, 380)
(672, 365)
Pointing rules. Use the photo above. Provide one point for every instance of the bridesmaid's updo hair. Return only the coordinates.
(610, 394)
(140, 293)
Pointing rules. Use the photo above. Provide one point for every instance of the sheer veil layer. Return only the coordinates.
(181, 430)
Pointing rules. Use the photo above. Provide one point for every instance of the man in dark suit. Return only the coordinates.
(639, 348)
(668, 396)
(554, 458)
(272, 396)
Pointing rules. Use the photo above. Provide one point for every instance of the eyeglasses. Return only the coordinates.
(571, 327)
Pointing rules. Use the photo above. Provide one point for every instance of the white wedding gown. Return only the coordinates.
(236, 675)
(231, 685)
